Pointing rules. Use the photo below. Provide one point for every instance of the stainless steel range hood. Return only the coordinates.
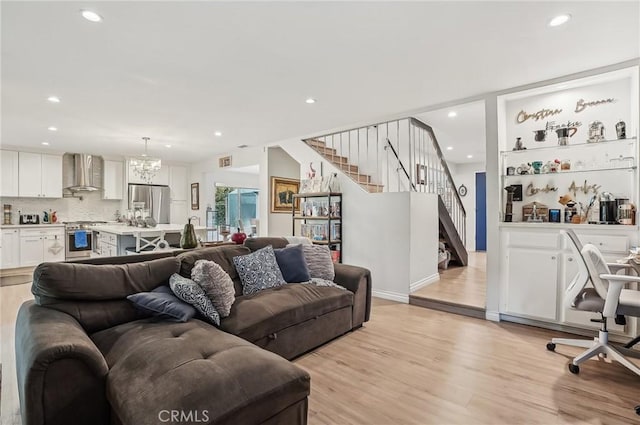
(82, 172)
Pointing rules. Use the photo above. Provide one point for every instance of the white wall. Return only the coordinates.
(279, 164)
(394, 235)
(465, 174)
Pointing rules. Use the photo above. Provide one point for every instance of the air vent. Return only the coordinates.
(224, 162)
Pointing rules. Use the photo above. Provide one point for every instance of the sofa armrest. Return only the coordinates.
(357, 280)
(61, 373)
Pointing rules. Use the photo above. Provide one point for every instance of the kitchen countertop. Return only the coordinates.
(29, 226)
(124, 230)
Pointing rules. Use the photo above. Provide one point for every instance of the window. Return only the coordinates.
(234, 208)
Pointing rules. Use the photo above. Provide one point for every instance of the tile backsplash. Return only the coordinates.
(92, 207)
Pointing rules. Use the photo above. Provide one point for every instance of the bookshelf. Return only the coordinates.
(319, 216)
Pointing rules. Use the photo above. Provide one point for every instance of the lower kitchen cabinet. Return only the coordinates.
(10, 249)
(40, 245)
(532, 283)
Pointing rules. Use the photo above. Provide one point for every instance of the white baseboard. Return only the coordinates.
(391, 296)
(494, 316)
(424, 282)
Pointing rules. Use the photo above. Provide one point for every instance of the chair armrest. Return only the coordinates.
(620, 277)
(616, 284)
(617, 267)
(357, 280)
(61, 373)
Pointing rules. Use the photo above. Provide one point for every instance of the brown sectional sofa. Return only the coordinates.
(86, 356)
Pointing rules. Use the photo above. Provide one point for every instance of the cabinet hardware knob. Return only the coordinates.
(570, 259)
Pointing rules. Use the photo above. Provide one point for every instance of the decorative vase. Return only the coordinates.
(239, 237)
(188, 239)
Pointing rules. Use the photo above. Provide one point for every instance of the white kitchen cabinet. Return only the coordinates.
(532, 278)
(113, 179)
(179, 212)
(39, 245)
(9, 173)
(39, 175)
(10, 248)
(178, 183)
(162, 176)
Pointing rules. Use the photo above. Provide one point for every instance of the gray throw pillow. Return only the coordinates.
(190, 292)
(216, 283)
(318, 258)
(258, 270)
(162, 303)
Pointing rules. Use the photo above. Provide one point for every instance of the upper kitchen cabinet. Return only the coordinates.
(178, 182)
(113, 179)
(9, 173)
(161, 177)
(39, 175)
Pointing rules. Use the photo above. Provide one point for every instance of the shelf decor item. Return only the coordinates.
(621, 130)
(282, 194)
(319, 218)
(188, 240)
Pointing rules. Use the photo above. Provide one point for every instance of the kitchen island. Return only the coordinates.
(120, 239)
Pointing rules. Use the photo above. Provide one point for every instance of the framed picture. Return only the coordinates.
(282, 191)
(421, 174)
(195, 196)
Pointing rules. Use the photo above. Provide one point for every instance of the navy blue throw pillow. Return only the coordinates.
(161, 302)
(292, 264)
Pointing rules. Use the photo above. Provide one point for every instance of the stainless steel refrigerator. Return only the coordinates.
(156, 199)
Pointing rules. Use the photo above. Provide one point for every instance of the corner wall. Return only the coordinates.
(465, 174)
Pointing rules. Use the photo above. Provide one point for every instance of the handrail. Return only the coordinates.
(413, 186)
(436, 145)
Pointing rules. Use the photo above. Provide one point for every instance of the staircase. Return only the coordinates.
(375, 158)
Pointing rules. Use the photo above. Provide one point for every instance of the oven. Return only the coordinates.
(74, 249)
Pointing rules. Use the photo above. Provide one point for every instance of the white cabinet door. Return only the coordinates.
(10, 248)
(162, 176)
(9, 173)
(51, 176)
(30, 174)
(113, 179)
(178, 212)
(31, 250)
(53, 247)
(178, 183)
(532, 284)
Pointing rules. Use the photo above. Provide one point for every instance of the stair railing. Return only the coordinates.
(395, 156)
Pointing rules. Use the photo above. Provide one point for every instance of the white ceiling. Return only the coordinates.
(464, 133)
(178, 71)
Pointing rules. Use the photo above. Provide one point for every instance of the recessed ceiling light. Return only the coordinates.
(559, 20)
(45, 143)
(218, 133)
(469, 156)
(310, 100)
(53, 99)
(167, 146)
(449, 148)
(452, 114)
(91, 16)
(53, 129)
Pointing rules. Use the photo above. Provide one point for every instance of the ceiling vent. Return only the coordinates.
(224, 162)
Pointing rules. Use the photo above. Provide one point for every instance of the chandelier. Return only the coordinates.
(145, 167)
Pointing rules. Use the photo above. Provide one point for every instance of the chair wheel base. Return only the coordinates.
(551, 346)
(575, 369)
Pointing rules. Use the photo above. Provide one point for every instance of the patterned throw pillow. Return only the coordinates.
(190, 292)
(258, 270)
(319, 262)
(216, 283)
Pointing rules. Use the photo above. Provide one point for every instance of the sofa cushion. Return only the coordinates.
(258, 315)
(193, 367)
(162, 303)
(216, 283)
(318, 258)
(222, 255)
(292, 264)
(258, 271)
(190, 292)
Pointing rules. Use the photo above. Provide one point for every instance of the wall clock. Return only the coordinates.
(462, 190)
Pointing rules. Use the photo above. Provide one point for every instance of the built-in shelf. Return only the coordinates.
(556, 147)
(326, 242)
(560, 173)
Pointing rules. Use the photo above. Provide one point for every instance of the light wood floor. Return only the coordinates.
(411, 365)
(460, 285)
